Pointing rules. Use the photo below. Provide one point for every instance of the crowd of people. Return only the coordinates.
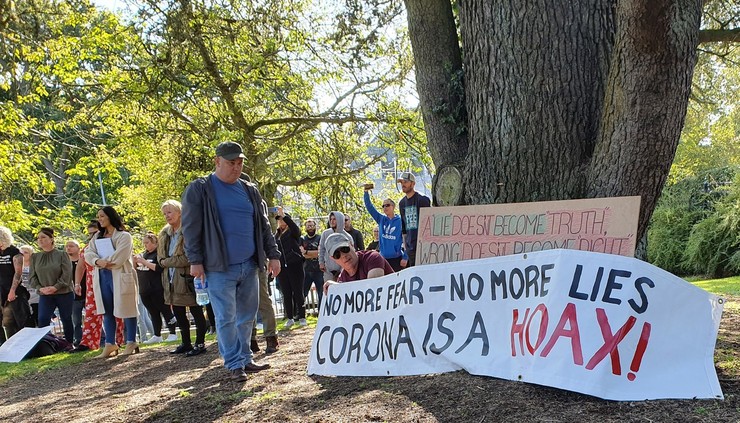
(220, 236)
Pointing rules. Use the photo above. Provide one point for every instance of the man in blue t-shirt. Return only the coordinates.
(409, 207)
(227, 239)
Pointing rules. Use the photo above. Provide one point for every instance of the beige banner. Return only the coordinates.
(604, 225)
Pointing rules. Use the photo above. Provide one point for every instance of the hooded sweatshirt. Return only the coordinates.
(391, 241)
(324, 257)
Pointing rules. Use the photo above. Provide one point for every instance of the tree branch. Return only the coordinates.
(309, 179)
(312, 121)
(719, 35)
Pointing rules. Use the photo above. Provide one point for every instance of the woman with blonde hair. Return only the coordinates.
(114, 279)
(179, 290)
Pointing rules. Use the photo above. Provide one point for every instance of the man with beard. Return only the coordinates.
(312, 271)
(409, 207)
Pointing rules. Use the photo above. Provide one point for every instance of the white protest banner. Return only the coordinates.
(603, 225)
(600, 324)
(15, 348)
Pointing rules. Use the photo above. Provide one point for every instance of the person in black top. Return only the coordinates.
(354, 233)
(409, 207)
(375, 243)
(7, 270)
(288, 238)
(151, 290)
(310, 249)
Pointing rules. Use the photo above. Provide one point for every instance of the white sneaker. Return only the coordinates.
(171, 338)
(289, 323)
(153, 340)
(302, 322)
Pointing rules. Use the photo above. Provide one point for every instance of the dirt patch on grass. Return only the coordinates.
(155, 386)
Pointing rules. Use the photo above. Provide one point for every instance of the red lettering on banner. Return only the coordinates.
(568, 317)
(568, 327)
(518, 328)
(639, 351)
(543, 328)
(611, 341)
(522, 329)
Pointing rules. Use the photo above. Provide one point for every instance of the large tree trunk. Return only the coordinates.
(571, 99)
(535, 76)
(439, 78)
(646, 100)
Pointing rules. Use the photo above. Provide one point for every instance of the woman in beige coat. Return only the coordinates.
(114, 279)
(179, 290)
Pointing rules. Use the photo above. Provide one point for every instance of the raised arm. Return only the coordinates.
(371, 208)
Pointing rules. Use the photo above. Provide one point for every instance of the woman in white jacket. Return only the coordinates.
(114, 279)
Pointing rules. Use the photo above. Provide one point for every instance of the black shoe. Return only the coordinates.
(80, 348)
(254, 367)
(182, 349)
(272, 344)
(254, 346)
(237, 375)
(212, 330)
(198, 349)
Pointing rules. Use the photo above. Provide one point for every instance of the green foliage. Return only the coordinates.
(58, 56)
(680, 213)
(679, 238)
(133, 109)
(713, 247)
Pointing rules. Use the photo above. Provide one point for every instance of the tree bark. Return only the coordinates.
(439, 78)
(570, 100)
(646, 99)
(535, 77)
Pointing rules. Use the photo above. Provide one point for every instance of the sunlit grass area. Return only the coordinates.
(10, 371)
(725, 286)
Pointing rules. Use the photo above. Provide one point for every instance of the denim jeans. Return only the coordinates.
(77, 308)
(234, 295)
(144, 322)
(316, 279)
(109, 319)
(47, 304)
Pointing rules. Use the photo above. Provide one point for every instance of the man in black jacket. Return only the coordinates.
(227, 239)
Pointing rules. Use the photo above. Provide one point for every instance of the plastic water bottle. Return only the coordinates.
(201, 291)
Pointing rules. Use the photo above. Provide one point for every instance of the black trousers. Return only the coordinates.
(184, 324)
(154, 303)
(291, 285)
(211, 316)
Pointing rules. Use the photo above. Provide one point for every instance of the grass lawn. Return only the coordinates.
(13, 370)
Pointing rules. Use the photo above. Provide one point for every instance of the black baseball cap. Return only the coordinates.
(230, 150)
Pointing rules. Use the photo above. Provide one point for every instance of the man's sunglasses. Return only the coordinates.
(387, 205)
(339, 251)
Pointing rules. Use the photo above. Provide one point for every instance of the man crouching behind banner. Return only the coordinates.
(356, 265)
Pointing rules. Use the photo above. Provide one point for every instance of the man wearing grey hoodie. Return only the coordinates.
(336, 225)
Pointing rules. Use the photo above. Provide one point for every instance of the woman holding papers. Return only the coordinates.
(51, 276)
(114, 279)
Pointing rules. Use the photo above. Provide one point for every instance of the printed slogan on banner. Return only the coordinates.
(604, 325)
(604, 225)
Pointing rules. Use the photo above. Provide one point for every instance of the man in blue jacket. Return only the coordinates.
(390, 242)
(227, 239)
